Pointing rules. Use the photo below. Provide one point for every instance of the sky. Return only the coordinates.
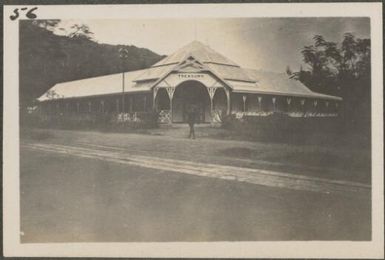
(269, 44)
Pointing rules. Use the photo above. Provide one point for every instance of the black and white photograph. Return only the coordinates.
(195, 128)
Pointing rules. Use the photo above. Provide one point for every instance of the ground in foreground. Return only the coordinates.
(65, 198)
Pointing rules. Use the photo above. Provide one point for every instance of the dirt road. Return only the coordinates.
(241, 174)
(101, 187)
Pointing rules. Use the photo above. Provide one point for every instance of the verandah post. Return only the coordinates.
(211, 91)
(244, 97)
(123, 106)
(154, 93)
(170, 92)
(131, 103)
(228, 101)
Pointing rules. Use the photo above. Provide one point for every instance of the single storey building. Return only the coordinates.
(195, 75)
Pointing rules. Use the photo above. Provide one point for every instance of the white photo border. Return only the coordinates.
(309, 249)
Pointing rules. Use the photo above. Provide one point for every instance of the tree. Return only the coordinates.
(342, 70)
(49, 25)
(47, 58)
(80, 32)
(51, 94)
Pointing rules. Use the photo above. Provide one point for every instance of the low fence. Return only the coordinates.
(269, 126)
(283, 122)
(152, 119)
(91, 121)
(164, 117)
(289, 114)
(285, 128)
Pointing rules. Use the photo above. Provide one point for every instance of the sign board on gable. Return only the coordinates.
(174, 79)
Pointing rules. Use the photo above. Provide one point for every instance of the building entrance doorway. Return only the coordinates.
(191, 95)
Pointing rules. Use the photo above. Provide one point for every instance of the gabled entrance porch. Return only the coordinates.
(172, 103)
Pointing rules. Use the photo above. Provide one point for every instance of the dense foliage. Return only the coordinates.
(341, 69)
(47, 58)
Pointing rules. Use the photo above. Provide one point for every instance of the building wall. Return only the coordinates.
(108, 104)
(257, 103)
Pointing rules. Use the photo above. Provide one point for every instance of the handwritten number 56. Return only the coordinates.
(29, 14)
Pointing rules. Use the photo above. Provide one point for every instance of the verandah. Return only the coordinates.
(171, 106)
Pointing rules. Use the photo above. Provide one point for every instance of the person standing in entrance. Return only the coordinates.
(191, 120)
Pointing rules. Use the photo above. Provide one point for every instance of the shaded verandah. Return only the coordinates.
(170, 104)
(256, 104)
(116, 107)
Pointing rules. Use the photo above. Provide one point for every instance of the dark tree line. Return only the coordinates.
(340, 69)
(47, 58)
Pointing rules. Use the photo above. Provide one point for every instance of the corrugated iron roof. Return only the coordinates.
(154, 73)
(277, 83)
(230, 72)
(239, 79)
(104, 85)
(198, 50)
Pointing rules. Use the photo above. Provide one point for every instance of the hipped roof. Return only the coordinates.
(279, 84)
(200, 51)
(103, 85)
(236, 78)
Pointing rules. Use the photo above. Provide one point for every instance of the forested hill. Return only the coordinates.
(47, 58)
